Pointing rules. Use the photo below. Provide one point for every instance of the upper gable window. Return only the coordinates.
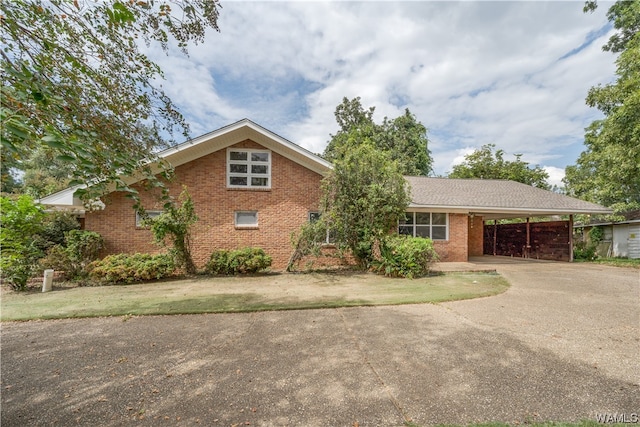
(248, 168)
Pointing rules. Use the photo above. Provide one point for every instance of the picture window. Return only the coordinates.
(425, 224)
(248, 168)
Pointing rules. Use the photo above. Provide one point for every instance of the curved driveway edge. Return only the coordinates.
(560, 344)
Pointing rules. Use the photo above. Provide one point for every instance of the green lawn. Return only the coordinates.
(243, 294)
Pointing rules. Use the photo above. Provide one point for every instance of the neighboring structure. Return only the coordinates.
(251, 187)
(619, 239)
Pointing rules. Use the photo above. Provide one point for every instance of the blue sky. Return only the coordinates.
(511, 73)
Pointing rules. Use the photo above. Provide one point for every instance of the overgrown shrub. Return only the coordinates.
(129, 268)
(404, 256)
(58, 259)
(55, 226)
(596, 234)
(20, 222)
(78, 250)
(83, 246)
(239, 261)
(584, 250)
(174, 224)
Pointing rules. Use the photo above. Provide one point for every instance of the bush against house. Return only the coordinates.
(404, 256)
(130, 268)
(239, 261)
(73, 256)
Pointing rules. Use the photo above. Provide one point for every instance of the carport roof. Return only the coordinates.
(494, 199)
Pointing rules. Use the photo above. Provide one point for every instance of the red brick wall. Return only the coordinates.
(476, 230)
(455, 249)
(294, 192)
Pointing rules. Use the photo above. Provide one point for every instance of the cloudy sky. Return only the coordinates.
(511, 73)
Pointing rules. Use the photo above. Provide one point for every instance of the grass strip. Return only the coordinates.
(245, 294)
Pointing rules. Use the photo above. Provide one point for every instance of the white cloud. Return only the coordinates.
(510, 73)
(555, 175)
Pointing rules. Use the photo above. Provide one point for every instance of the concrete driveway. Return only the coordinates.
(561, 344)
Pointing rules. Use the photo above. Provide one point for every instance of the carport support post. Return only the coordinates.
(495, 236)
(570, 238)
(528, 248)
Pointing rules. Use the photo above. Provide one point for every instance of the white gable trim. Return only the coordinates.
(206, 144)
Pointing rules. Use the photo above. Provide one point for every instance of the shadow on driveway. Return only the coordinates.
(556, 346)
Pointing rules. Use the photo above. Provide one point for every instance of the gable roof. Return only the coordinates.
(238, 132)
(494, 199)
(207, 144)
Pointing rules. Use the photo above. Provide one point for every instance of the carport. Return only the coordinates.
(540, 239)
(544, 232)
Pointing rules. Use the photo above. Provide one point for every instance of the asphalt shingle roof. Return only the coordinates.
(493, 194)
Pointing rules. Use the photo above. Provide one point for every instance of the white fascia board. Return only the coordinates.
(63, 198)
(238, 132)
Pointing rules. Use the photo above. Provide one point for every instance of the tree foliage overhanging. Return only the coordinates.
(487, 164)
(608, 171)
(76, 84)
(404, 138)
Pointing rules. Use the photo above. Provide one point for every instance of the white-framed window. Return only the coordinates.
(246, 219)
(248, 168)
(330, 237)
(425, 224)
(149, 215)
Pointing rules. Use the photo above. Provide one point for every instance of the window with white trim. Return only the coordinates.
(149, 215)
(246, 219)
(329, 237)
(425, 224)
(248, 168)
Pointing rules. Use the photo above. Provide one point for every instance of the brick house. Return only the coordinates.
(251, 187)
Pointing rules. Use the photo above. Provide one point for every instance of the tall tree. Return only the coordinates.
(487, 164)
(76, 82)
(608, 171)
(404, 138)
(364, 195)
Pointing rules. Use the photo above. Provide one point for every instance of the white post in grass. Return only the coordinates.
(47, 282)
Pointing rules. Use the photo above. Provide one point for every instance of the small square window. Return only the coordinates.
(408, 219)
(149, 215)
(439, 232)
(329, 235)
(405, 230)
(238, 180)
(314, 216)
(259, 157)
(238, 155)
(238, 168)
(246, 219)
(439, 219)
(259, 182)
(423, 218)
